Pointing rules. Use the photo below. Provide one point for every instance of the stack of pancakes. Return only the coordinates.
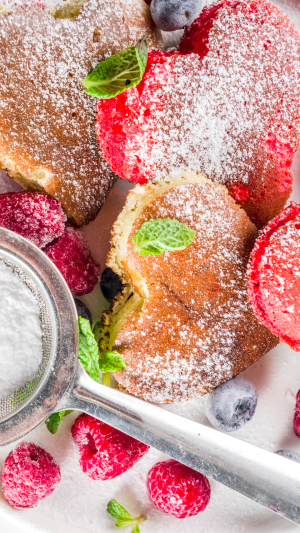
(182, 321)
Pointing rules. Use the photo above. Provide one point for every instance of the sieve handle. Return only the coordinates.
(262, 476)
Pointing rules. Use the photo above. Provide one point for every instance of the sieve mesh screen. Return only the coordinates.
(12, 402)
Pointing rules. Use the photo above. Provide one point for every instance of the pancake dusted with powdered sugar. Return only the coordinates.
(183, 324)
(47, 133)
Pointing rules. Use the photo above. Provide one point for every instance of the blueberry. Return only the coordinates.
(83, 311)
(171, 15)
(289, 454)
(232, 404)
(110, 284)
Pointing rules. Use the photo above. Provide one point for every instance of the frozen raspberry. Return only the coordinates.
(296, 423)
(297, 415)
(105, 452)
(71, 254)
(298, 401)
(34, 215)
(177, 489)
(29, 474)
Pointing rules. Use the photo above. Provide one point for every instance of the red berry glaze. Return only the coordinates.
(206, 107)
(71, 254)
(105, 452)
(274, 276)
(177, 489)
(34, 215)
(29, 474)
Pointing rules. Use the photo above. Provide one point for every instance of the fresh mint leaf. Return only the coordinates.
(116, 510)
(123, 522)
(88, 355)
(136, 529)
(119, 72)
(88, 352)
(53, 421)
(111, 362)
(160, 235)
(123, 518)
(97, 330)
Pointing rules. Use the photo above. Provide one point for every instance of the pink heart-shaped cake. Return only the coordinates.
(226, 104)
(47, 134)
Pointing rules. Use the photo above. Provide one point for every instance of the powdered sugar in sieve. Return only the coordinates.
(25, 347)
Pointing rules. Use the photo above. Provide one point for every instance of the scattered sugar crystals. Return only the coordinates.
(20, 332)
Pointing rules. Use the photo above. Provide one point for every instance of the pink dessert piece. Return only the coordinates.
(274, 276)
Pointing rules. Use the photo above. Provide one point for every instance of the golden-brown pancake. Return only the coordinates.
(183, 323)
(47, 134)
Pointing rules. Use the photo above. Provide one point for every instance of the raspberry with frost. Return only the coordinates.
(105, 452)
(297, 415)
(29, 474)
(177, 489)
(34, 215)
(72, 256)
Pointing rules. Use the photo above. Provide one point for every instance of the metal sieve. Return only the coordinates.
(61, 383)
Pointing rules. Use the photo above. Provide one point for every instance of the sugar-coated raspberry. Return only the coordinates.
(72, 256)
(34, 215)
(29, 474)
(296, 421)
(298, 401)
(177, 489)
(105, 452)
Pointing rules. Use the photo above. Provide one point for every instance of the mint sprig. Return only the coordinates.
(118, 72)
(160, 235)
(97, 330)
(111, 362)
(88, 355)
(88, 351)
(53, 421)
(123, 518)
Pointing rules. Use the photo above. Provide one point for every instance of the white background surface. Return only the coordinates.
(78, 505)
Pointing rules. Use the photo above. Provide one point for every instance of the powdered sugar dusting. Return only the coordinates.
(195, 329)
(47, 122)
(231, 113)
(279, 278)
(230, 98)
(20, 333)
